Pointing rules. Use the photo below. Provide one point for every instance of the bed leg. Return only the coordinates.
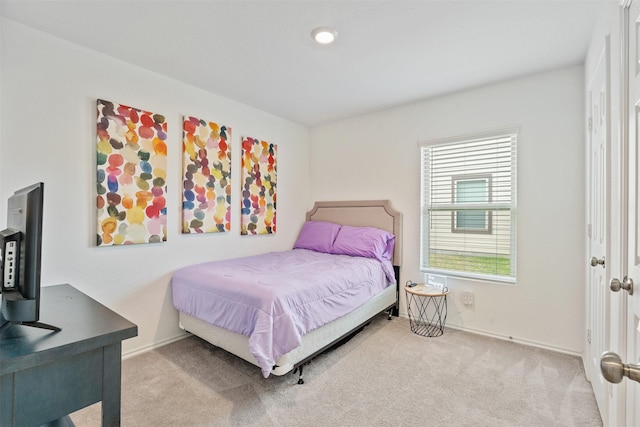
(299, 368)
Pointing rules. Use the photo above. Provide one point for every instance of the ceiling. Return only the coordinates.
(388, 53)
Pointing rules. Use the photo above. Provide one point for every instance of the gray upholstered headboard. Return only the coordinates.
(363, 213)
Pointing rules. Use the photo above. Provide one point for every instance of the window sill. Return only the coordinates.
(483, 278)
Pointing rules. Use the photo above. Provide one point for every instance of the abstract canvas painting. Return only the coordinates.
(131, 175)
(259, 173)
(206, 194)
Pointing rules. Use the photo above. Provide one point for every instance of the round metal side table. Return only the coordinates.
(427, 309)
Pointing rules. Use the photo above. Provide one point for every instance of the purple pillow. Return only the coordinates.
(317, 236)
(365, 242)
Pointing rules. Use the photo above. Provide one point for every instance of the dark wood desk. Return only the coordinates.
(46, 375)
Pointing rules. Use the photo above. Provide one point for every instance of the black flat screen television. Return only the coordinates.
(21, 248)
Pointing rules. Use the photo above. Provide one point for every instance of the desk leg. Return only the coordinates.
(6, 400)
(111, 385)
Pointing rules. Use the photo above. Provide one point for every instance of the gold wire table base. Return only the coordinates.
(427, 310)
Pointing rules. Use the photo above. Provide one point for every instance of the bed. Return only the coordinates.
(283, 336)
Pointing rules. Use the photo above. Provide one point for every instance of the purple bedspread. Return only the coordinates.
(276, 298)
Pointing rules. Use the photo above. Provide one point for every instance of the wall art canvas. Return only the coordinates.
(259, 173)
(131, 175)
(206, 194)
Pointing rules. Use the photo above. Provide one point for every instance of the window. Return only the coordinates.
(468, 206)
(466, 190)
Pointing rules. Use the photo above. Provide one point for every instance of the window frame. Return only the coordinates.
(426, 217)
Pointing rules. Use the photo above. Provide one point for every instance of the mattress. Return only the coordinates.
(275, 299)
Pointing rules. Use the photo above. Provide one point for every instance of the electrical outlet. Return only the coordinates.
(467, 298)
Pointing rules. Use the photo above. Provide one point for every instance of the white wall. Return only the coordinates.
(49, 88)
(48, 105)
(376, 156)
(1, 55)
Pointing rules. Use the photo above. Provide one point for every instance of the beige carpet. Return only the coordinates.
(385, 376)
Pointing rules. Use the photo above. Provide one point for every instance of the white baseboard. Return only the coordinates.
(158, 344)
(537, 344)
(513, 339)
(519, 340)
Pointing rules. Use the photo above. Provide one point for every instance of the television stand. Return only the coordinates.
(19, 307)
(32, 324)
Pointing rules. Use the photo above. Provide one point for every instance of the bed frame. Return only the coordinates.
(367, 213)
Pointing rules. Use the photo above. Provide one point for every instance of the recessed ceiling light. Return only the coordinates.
(324, 35)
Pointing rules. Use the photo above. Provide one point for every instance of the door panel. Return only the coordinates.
(598, 294)
(632, 203)
(633, 255)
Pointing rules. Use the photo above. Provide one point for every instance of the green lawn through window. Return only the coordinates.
(495, 266)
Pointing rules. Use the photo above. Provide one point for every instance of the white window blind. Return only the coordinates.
(469, 205)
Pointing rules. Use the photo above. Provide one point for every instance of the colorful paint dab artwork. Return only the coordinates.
(259, 171)
(131, 175)
(206, 195)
